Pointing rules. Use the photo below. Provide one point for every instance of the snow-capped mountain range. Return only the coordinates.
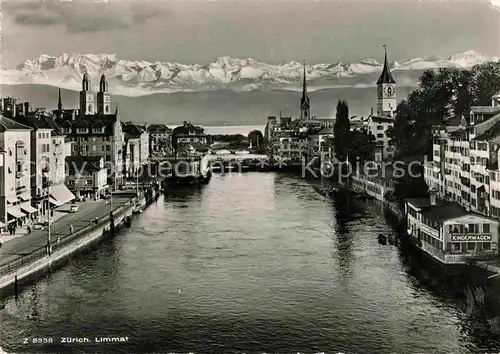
(138, 78)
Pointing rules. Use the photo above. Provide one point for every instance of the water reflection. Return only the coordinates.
(259, 262)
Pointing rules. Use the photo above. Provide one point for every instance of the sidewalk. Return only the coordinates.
(88, 211)
(23, 230)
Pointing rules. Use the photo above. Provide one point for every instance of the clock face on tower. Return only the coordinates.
(390, 91)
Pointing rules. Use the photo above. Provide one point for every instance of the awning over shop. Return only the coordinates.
(29, 209)
(54, 202)
(15, 212)
(25, 197)
(61, 194)
(12, 200)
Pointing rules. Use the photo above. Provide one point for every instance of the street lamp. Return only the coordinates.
(49, 210)
(3, 153)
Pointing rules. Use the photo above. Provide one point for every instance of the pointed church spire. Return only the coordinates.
(304, 84)
(305, 105)
(86, 82)
(59, 103)
(386, 76)
(117, 110)
(103, 84)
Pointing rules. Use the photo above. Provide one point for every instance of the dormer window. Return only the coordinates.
(66, 130)
(82, 130)
(98, 130)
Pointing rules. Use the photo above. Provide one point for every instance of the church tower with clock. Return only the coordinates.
(86, 97)
(386, 91)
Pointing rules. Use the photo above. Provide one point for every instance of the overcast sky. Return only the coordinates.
(269, 31)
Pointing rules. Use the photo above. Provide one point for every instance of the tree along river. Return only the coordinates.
(257, 262)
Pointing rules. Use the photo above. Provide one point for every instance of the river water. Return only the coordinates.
(258, 262)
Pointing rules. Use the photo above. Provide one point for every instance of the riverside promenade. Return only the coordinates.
(25, 255)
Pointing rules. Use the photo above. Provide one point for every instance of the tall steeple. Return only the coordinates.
(386, 76)
(86, 97)
(386, 90)
(103, 97)
(59, 106)
(305, 105)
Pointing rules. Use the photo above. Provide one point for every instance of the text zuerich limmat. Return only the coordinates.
(96, 340)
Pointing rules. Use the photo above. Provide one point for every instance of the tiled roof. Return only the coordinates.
(89, 121)
(133, 129)
(444, 212)
(485, 109)
(420, 202)
(98, 124)
(160, 128)
(490, 134)
(34, 122)
(56, 128)
(482, 127)
(185, 129)
(10, 124)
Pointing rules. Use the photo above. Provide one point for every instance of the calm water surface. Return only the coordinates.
(259, 262)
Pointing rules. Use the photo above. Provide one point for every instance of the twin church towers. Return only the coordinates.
(386, 93)
(88, 103)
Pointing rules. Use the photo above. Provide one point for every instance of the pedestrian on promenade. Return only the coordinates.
(71, 229)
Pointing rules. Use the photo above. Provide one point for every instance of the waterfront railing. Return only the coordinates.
(41, 252)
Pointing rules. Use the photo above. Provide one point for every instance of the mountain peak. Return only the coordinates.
(136, 77)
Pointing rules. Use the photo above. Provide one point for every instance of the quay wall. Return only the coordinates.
(74, 245)
(376, 189)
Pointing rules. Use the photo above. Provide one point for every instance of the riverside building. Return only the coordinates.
(15, 171)
(464, 170)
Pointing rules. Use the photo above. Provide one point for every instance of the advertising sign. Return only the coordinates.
(470, 238)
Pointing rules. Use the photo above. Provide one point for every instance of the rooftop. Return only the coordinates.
(491, 133)
(485, 109)
(10, 124)
(444, 211)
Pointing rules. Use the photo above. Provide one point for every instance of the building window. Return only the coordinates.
(486, 228)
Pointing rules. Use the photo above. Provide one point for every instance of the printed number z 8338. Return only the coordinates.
(38, 340)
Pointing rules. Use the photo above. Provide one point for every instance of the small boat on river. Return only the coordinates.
(382, 239)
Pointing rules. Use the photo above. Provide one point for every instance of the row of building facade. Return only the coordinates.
(49, 158)
(460, 220)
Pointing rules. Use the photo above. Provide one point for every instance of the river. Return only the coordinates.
(257, 262)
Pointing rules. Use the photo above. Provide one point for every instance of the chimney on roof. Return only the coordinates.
(20, 109)
(371, 112)
(27, 108)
